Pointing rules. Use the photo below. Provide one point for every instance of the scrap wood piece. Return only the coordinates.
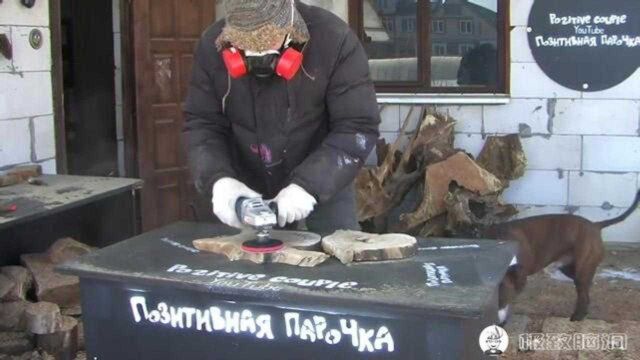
(504, 157)
(357, 246)
(467, 211)
(297, 250)
(458, 168)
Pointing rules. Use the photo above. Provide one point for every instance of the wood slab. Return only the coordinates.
(298, 249)
(356, 246)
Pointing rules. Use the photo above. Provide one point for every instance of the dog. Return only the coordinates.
(571, 241)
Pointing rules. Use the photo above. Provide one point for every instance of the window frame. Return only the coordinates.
(424, 46)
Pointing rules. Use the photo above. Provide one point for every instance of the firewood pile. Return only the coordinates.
(40, 313)
(430, 188)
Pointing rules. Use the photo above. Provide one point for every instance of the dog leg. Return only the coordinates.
(585, 269)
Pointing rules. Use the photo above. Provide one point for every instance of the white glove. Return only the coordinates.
(226, 192)
(294, 204)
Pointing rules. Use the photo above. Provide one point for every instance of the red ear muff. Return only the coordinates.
(234, 62)
(289, 63)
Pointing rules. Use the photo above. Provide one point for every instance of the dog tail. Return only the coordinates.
(622, 217)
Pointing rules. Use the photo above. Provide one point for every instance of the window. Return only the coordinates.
(439, 49)
(431, 46)
(438, 26)
(463, 49)
(466, 27)
(409, 25)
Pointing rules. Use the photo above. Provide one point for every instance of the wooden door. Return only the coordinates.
(165, 35)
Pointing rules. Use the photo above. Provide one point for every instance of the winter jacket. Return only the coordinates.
(315, 130)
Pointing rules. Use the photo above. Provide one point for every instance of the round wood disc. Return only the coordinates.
(356, 246)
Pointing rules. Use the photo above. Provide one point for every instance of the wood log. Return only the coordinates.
(19, 174)
(63, 344)
(297, 250)
(504, 157)
(12, 316)
(22, 282)
(6, 285)
(468, 212)
(15, 343)
(43, 318)
(67, 249)
(356, 246)
(438, 177)
(63, 290)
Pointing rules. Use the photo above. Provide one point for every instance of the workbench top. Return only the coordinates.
(453, 277)
(60, 192)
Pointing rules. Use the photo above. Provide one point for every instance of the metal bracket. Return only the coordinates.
(5, 46)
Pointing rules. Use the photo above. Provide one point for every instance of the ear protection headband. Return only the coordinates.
(287, 65)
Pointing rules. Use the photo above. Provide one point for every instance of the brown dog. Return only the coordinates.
(572, 241)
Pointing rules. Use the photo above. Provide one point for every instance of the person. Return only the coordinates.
(281, 105)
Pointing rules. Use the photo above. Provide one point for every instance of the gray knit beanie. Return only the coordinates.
(256, 24)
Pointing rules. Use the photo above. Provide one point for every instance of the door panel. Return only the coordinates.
(165, 35)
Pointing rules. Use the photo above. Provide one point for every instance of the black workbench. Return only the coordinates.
(96, 210)
(150, 298)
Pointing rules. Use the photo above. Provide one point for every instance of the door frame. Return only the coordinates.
(128, 88)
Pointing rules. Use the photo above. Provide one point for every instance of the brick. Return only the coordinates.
(26, 58)
(15, 147)
(507, 119)
(626, 231)
(25, 95)
(520, 12)
(389, 117)
(596, 189)
(520, 50)
(5, 64)
(45, 140)
(628, 89)
(528, 81)
(566, 152)
(471, 143)
(611, 153)
(468, 117)
(597, 117)
(14, 13)
(538, 187)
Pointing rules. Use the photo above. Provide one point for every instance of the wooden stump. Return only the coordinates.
(297, 250)
(63, 344)
(356, 246)
(43, 318)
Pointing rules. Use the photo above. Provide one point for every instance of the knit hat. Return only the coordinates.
(256, 24)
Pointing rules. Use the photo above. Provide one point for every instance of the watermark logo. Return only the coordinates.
(494, 340)
(572, 342)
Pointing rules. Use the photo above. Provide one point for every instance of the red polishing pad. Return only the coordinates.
(268, 247)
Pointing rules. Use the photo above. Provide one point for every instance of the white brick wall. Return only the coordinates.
(583, 148)
(26, 105)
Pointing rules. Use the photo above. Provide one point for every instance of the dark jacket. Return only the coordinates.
(316, 133)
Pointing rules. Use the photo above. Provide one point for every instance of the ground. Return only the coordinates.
(548, 300)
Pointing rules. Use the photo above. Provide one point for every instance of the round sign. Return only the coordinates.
(586, 45)
(494, 340)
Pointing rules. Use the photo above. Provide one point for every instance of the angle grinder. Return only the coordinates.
(262, 216)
